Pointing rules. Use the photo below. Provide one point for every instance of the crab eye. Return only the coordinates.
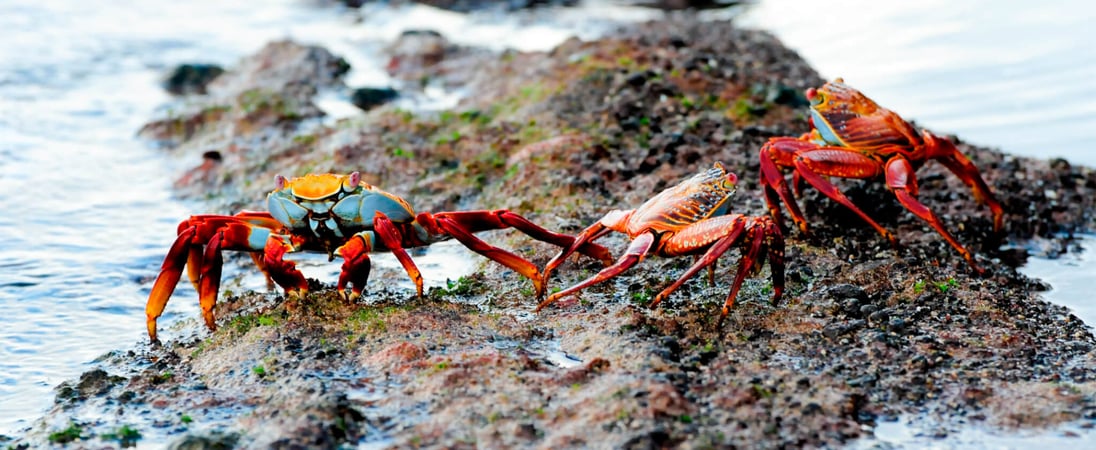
(352, 182)
(730, 181)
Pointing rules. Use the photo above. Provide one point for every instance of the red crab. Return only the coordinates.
(339, 215)
(853, 137)
(691, 218)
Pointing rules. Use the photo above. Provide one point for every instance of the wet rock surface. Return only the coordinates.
(866, 333)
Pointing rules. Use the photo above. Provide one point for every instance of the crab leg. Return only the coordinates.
(639, 249)
(724, 231)
(241, 236)
(170, 272)
(901, 180)
(392, 239)
(457, 226)
(586, 237)
(245, 231)
(777, 153)
(356, 264)
(476, 221)
(749, 257)
(966, 171)
(283, 272)
(840, 162)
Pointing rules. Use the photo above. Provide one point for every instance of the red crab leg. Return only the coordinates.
(967, 172)
(170, 272)
(763, 236)
(586, 237)
(186, 251)
(207, 223)
(776, 153)
(283, 272)
(901, 180)
(774, 241)
(356, 264)
(635, 253)
(723, 230)
(749, 257)
(242, 236)
(461, 225)
(844, 163)
(476, 221)
(392, 239)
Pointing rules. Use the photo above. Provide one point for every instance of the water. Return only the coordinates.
(1070, 277)
(88, 212)
(906, 434)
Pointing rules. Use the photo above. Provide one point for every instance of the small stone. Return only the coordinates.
(637, 79)
(526, 431)
(841, 291)
(191, 78)
(369, 98)
(867, 310)
(834, 330)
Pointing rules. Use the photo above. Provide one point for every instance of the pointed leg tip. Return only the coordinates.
(548, 301)
(152, 338)
(978, 270)
(654, 304)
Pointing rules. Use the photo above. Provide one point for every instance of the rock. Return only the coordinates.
(466, 6)
(677, 5)
(842, 291)
(280, 65)
(92, 383)
(368, 98)
(188, 79)
(211, 441)
(834, 330)
(414, 51)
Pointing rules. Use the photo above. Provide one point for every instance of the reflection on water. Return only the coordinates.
(1012, 74)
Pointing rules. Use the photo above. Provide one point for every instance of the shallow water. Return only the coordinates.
(1070, 277)
(89, 208)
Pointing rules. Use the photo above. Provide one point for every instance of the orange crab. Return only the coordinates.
(853, 137)
(691, 218)
(339, 215)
